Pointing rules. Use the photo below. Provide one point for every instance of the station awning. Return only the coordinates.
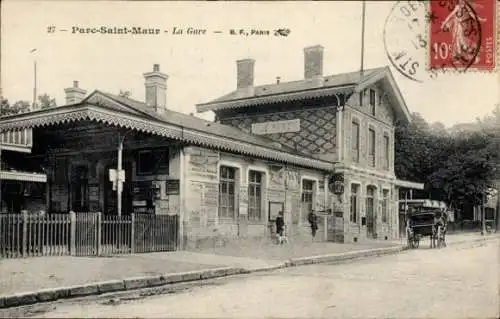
(23, 176)
(408, 184)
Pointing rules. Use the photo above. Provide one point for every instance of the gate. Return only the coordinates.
(86, 233)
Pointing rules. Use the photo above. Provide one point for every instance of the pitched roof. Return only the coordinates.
(304, 89)
(350, 79)
(195, 123)
(130, 114)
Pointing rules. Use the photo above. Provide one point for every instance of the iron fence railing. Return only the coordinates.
(86, 234)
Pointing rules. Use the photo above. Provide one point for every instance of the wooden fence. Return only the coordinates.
(86, 234)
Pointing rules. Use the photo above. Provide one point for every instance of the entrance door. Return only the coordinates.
(79, 188)
(371, 213)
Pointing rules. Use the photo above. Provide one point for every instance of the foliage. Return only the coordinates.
(455, 168)
(45, 101)
(17, 107)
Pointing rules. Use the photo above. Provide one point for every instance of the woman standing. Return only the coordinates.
(313, 221)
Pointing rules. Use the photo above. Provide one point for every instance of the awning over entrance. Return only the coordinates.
(408, 184)
(100, 108)
(23, 176)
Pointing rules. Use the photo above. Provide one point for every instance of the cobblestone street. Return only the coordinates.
(459, 281)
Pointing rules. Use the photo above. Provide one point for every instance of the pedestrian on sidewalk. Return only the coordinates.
(313, 221)
(280, 226)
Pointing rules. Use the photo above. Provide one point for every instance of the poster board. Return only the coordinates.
(274, 209)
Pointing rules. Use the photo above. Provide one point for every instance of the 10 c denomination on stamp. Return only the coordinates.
(462, 34)
(425, 38)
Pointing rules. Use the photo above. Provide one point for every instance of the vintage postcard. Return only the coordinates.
(249, 159)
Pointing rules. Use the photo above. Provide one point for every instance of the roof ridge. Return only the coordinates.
(335, 80)
(142, 109)
(164, 118)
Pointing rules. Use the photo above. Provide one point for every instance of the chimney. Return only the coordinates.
(156, 89)
(245, 71)
(74, 94)
(313, 62)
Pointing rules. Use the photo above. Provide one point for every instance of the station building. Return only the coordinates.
(322, 143)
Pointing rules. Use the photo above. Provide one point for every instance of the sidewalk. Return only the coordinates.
(35, 274)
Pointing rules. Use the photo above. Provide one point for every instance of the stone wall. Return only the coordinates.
(356, 231)
(202, 224)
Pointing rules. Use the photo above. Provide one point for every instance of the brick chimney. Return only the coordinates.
(74, 94)
(313, 62)
(245, 75)
(156, 89)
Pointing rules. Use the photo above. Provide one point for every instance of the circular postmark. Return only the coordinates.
(423, 38)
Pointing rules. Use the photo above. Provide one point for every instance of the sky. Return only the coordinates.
(203, 67)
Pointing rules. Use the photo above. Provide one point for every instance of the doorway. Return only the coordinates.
(371, 213)
(79, 188)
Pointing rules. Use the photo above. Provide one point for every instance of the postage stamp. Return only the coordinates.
(462, 34)
(424, 38)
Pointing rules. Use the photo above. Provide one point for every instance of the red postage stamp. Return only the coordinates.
(462, 34)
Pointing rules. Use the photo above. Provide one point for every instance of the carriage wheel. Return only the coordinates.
(409, 239)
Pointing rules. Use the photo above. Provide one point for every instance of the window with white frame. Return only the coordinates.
(227, 191)
(371, 147)
(355, 141)
(370, 200)
(385, 205)
(255, 195)
(353, 216)
(386, 151)
(307, 197)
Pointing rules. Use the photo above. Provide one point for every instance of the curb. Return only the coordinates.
(341, 257)
(53, 294)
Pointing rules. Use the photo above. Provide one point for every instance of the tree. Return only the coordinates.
(18, 107)
(21, 106)
(46, 101)
(438, 128)
(455, 168)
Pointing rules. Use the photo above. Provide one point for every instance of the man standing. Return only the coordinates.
(313, 221)
(280, 225)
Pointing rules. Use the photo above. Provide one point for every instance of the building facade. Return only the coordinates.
(346, 119)
(324, 144)
(218, 180)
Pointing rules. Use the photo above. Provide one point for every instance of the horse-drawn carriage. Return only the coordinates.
(427, 222)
